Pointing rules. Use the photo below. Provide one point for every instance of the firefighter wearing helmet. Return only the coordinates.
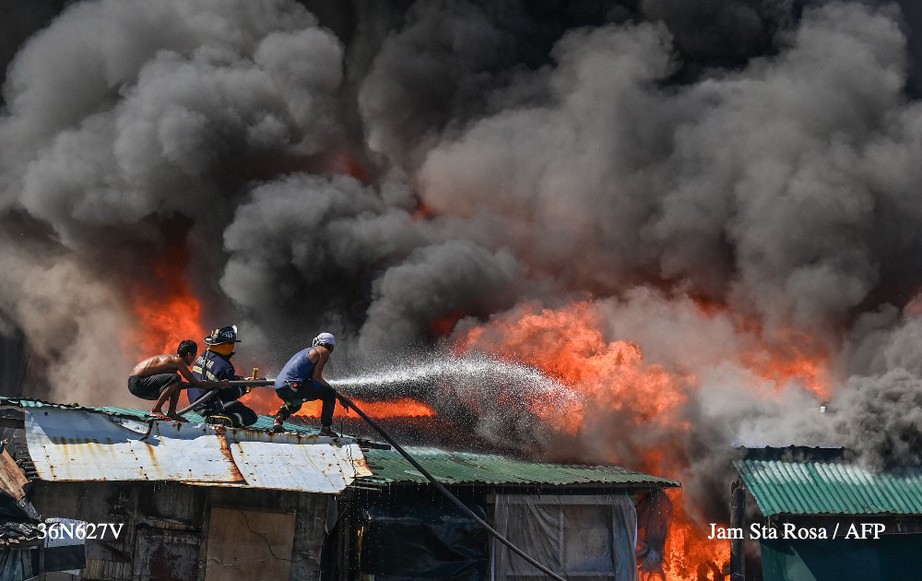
(214, 364)
(302, 380)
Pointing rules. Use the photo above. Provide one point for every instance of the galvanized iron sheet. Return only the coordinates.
(276, 461)
(466, 468)
(77, 445)
(814, 488)
(81, 445)
(318, 468)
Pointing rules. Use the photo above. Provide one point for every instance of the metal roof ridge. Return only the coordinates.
(138, 414)
(830, 486)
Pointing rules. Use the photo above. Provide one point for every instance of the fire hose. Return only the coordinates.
(214, 392)
(348, 403)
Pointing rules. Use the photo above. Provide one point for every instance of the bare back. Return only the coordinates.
(169, 363)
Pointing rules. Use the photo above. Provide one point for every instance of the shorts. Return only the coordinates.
(152, 386)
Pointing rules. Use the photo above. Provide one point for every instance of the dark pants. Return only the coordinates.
(152, 386)
(239, 414)
(297, 394)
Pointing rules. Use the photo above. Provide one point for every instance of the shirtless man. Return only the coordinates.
(158, 378)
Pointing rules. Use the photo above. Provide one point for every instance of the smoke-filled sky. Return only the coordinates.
(709, 176)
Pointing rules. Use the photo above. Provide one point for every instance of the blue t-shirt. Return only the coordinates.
(299, 369)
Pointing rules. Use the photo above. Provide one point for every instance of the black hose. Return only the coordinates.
(233, 383)
(441, 488)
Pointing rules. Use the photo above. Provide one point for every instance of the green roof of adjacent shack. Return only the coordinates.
(829, 487)
(390, 467)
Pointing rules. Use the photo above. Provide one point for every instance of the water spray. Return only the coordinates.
(469, 375)
(348, 403)
(425, 375)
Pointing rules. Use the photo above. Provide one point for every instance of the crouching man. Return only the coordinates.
(215, 365)
(160, 378)
(302, 380)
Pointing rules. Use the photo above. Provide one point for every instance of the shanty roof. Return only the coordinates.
(388, 466)
(263, 423)
(828, 485)
(79, 443)
(75, 443)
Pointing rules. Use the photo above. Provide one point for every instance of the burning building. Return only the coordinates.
(185, 502)
(692, 222)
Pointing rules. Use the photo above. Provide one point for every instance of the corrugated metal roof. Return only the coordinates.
(263, 423)
(823, 487)
(71, 444)
(264, 463)
(259, 465)
(389, 466)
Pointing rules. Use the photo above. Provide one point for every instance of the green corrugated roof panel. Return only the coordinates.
(466, 468)
(263, 423)
(811, 487)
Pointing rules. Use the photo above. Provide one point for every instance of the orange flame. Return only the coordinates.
(689, 555)
(166, 310)
(792, 355)
(264, 401)
(621, 389)
(795, 357)
(567, 346)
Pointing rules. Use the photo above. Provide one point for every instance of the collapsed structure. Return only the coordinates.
(160, 500)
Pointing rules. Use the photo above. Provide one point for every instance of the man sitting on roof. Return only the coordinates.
(302, 380)
(156, 378)
(215, 365)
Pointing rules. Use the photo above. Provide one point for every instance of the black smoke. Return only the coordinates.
(383, 170)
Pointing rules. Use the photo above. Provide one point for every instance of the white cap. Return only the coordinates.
(325, 338)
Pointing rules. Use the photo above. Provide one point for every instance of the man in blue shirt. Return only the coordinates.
(302, 380)
(215, 365)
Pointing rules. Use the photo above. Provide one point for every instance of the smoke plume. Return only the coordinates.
(712, 189)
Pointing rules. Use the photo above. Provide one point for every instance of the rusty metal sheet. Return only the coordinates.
(83, 445)
(78, 445)
(291, 462)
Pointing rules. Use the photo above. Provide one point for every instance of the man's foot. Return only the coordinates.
(158, 415)
(328, 431)
(277, 426)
